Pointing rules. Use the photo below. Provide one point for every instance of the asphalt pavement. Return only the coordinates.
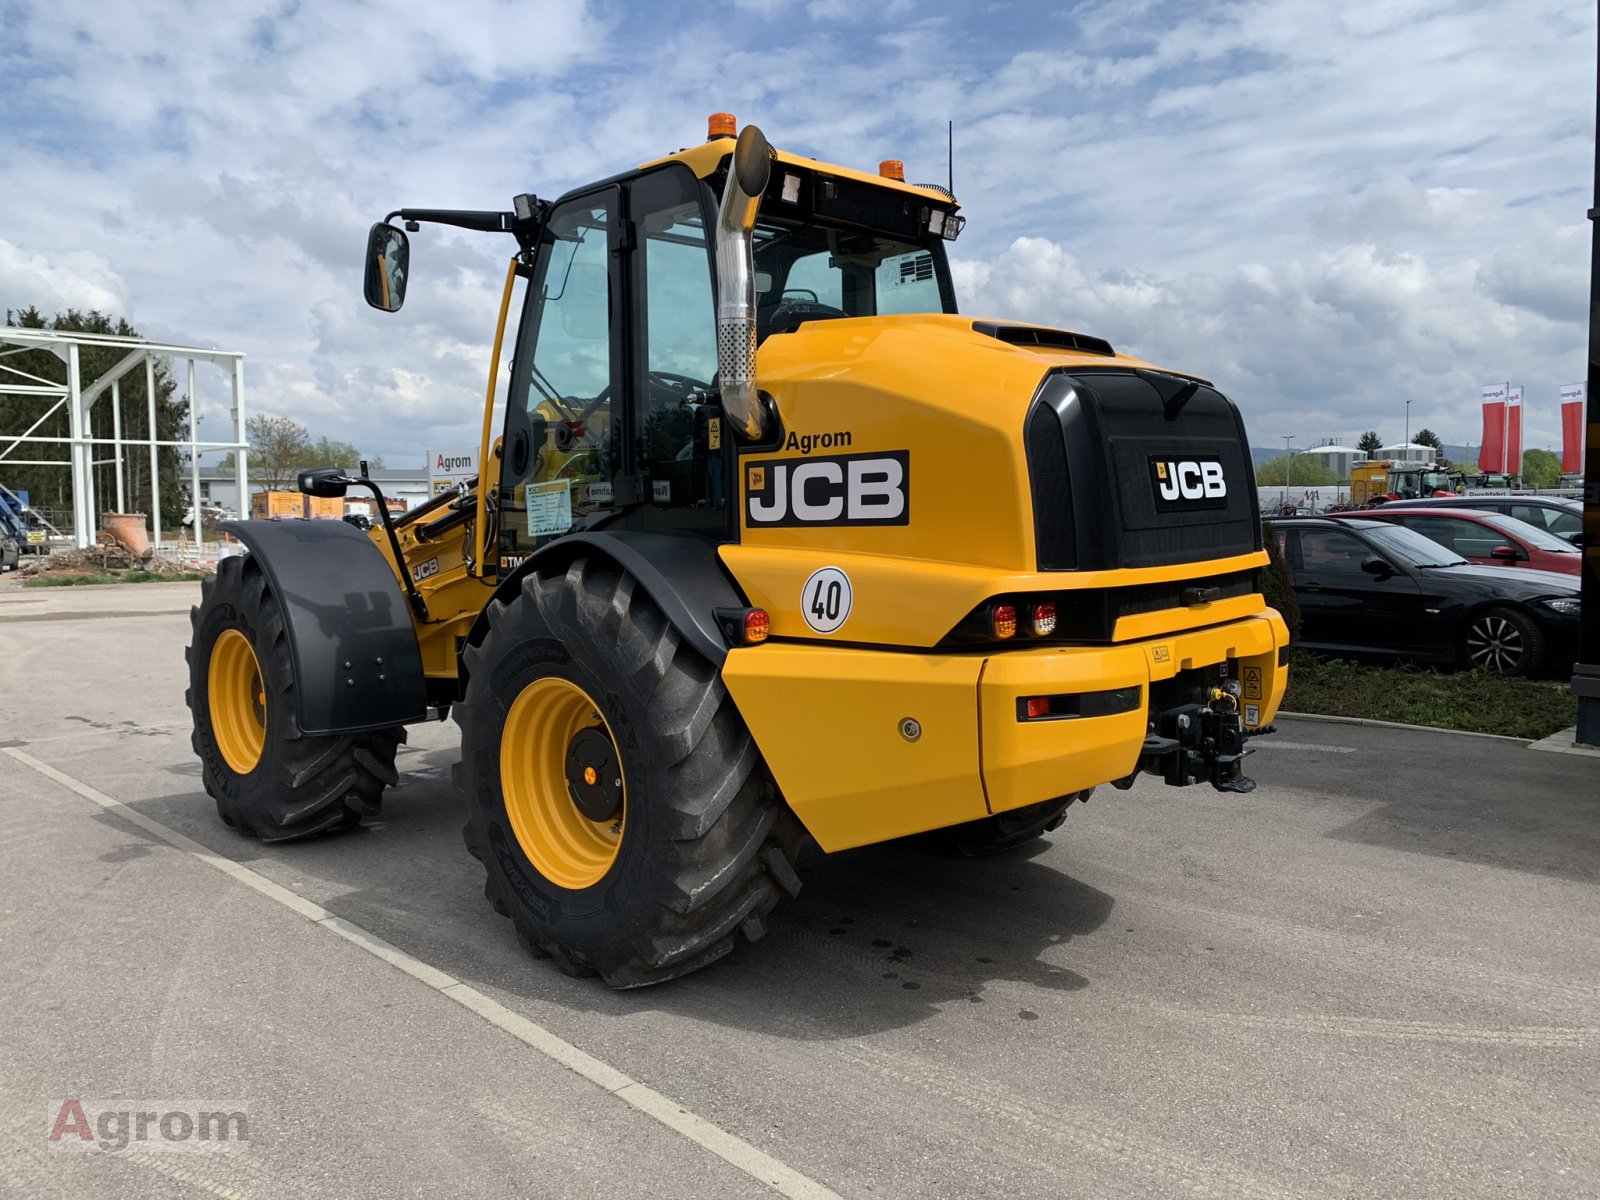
(1376, 976)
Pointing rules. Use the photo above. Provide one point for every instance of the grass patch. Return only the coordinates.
(67, 580)
(1468, 700)
(124, 577)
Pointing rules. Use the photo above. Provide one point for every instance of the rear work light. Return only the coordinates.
(1042, 620)
(1003, 621)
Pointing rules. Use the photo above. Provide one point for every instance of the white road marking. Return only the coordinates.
(735, 1151)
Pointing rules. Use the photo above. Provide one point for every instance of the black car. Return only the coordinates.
(1366, 585)
(1553, 514)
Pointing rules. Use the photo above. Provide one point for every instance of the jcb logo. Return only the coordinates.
(850, 489)
(1189, 483)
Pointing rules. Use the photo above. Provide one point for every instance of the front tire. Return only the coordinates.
(1503, 641)
(617, 801)
(268, 779)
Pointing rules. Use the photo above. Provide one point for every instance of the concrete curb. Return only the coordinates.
(1499, 737)
(1562, 742)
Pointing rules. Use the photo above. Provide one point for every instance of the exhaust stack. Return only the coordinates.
(736, 282)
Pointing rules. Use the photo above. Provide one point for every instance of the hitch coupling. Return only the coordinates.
(1196, 742)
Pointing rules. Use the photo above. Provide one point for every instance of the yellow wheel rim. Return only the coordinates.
(569, 848)
(237, 700)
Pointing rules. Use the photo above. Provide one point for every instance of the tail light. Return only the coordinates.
(1042, 620)
(1003, 621)
(756, 626)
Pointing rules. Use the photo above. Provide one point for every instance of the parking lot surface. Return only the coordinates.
(1375, 976)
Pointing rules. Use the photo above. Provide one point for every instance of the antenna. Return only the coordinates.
(950, 156)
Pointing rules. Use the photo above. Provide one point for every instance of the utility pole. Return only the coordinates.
(1408, 420)
(1586, 673)
(1288, 460)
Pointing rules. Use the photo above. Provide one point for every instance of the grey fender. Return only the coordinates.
(679, 571)
(356, 661)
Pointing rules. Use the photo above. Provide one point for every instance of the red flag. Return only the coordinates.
(1492, 455)
(1572, 400)
(1514, 431)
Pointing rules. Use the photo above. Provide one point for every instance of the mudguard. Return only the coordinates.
(356, 661)
(679, 571)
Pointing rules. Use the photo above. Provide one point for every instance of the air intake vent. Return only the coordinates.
(1035, 335)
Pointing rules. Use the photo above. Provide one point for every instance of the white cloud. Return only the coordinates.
(76, 279)
(1325, 209)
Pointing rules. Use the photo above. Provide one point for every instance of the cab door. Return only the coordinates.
(564, 442)
(680, 449)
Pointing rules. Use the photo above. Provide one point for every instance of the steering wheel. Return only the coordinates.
(793, 312)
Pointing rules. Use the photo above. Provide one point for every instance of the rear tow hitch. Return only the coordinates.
(1200, 742)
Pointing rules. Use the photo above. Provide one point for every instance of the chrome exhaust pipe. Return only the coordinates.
(736, 282)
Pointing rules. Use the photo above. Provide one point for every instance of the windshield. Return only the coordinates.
(808, 271)
(1408, 545)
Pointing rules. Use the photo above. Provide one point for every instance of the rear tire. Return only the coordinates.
(701, 846)
(270, 780)
(1003, 831)
(1503, 641)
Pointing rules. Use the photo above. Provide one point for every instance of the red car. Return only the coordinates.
(1483, 537)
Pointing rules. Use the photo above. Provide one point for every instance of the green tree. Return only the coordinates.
(327, 452)
(1302, 472)
(279, 447)
(1427, 437)
(50, 487)
(277, 437)
(1541, 469)
(1370, 442)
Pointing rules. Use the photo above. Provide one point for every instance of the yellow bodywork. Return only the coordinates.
(877, 731)
(831, 723)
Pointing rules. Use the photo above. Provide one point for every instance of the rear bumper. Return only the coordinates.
(868, 745)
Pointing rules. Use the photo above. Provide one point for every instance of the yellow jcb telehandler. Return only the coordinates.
(772, 544)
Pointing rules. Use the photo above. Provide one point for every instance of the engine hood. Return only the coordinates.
(931, 408)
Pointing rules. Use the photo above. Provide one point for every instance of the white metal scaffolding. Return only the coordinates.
(80, 401)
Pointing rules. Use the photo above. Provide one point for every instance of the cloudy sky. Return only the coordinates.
(1327, 208)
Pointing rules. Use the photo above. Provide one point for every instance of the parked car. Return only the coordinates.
(1488, 538)
(1366, 585)
(10, 553)
(1554, 514)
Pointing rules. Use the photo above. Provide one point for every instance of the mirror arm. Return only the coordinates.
(412, 594)
(525, 227)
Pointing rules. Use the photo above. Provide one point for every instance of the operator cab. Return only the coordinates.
(612, 417)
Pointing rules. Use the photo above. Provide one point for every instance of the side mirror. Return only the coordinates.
(1377, 567)
(1505, 553)
(327, 483)
(388, 262)
(1576, 539)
